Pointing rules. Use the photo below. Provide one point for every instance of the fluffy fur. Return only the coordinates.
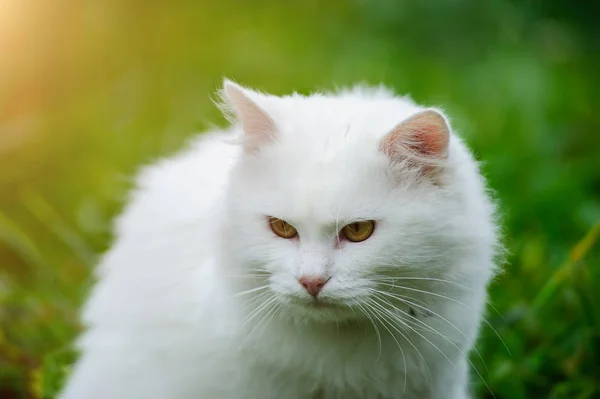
(198, 298)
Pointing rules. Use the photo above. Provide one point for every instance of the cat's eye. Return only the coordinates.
(358, 231)
(282, 228)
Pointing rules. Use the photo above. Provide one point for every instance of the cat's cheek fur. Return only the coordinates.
(198, 298)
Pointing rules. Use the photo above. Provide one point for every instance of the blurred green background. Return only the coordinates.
(89, 90)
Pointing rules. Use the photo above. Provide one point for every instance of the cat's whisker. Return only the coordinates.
(439, 280)
(242, 293)
(414, 321)
(249, 276)
(410, 342)
(407, 301)
(270, 305)
(497, 334)
(272, 312)
(377, 316)
(460, 303)
(411, 301)
(422, 336)
(469, 341)
(351, 305)
(495, 309)
(257, 298)
(408, 320)
(253, 314)
(424, 304)
(257, 311)
(248, 271)
(368, 316)
(304, 319)
(430, 293)
(421, 323)
(381, 278)
(456, 346)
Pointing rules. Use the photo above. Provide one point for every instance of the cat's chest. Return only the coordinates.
(385, 381)
(266, 383)
(342, 370)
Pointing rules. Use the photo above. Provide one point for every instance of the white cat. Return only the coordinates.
(332, 246)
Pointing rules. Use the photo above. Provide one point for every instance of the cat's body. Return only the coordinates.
(198, 298)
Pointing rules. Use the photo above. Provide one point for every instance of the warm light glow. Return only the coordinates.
(13, 23)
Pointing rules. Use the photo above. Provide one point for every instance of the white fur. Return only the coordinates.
(166, 318)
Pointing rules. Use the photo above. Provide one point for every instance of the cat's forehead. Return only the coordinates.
(324, 195)
(327, 117)
(320, 187)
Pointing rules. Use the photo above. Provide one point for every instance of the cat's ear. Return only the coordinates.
(423, 139)
(257, 126)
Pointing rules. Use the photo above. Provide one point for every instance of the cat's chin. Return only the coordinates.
(319, 310)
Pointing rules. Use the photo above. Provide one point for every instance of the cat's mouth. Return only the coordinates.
(321, 309)
(317, 303)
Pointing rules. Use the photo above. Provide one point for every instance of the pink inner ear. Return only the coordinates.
(259, 129)
(425, 135)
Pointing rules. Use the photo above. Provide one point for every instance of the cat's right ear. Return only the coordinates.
(422, 141)
(258, 128)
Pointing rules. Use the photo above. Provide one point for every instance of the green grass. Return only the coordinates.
(91, 90)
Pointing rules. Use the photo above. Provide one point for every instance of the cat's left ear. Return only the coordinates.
(258, 127)
(423, 139)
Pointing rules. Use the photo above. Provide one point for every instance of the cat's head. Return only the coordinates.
(336, 195)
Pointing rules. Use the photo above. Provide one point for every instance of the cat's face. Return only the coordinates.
(322, 220)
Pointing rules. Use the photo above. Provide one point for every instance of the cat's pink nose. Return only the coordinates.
(313, 284)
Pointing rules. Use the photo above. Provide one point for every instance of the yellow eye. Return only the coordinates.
(358, 231)
(282, 228)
